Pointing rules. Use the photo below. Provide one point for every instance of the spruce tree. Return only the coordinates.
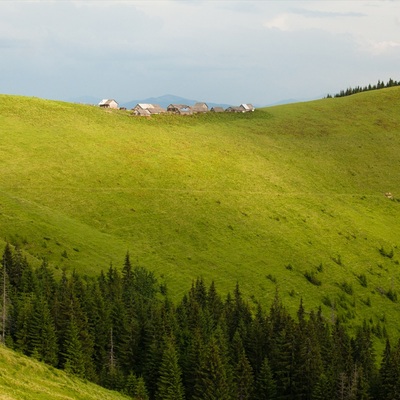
(46, 281)
(140, 390)
(322, 389)
(191, 361)
(213, 382)
(136, 387)
(199, 292)
(130, 384)
(385, 372)
(24, 313)
(390, 373)
(364, 354)
(214, 303)
(98, 322)
(307, 360)
(151, 368)
(169, 384)
(75, 310)
(42, 337)
(257, 341)
(243, 378)
(73, 352)
(265, 384)
(28, 282)
(282, 357)
(128, 288)
(5, 299)
(16, 271)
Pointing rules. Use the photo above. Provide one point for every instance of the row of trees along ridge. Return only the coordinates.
(358, 89)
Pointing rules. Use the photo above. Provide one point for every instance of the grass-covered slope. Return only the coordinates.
(261, 198)
(22, 378)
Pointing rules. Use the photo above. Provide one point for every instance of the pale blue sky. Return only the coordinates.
(220, 51)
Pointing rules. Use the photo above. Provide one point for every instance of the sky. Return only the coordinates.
(225, 51)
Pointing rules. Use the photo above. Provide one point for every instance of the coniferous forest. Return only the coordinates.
(120, 330)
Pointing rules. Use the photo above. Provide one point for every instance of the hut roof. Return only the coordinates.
(156, 109)
(200, 107)
(152, 108)
(247, 107)
(217, 109)
(142, 112)
(235, 109)
(105, 102)
(179, 109)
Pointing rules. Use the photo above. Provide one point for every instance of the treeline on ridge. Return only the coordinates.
(358, 89)
(120, 330)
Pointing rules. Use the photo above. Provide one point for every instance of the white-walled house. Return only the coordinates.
(241, 109)
(147, 109)
(248, 107)
(108, 103)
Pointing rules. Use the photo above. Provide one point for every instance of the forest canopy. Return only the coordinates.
(120, 330)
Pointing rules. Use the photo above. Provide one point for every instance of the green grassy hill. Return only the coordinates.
(22, 378)
(262, 198)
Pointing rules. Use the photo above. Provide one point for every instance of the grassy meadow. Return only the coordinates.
(289, 197)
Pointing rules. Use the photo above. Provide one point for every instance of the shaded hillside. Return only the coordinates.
(289, 197)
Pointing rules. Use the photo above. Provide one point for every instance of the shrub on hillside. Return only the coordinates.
(346, 287)
(385, 253)
(312, 278)
(363, 280)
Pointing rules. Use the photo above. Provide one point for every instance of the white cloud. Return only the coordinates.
(378, 48)
(282, 22)
(373, 25)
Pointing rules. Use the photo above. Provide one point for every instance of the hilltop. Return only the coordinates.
(290, 197)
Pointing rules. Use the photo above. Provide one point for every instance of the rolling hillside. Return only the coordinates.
(289, 197)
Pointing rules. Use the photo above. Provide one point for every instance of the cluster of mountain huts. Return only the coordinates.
(146, 110)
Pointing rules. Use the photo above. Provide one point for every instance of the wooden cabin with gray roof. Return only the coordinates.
(199, 108)
(181, 109)
(147, 109)
(217, 109)
(241, 109)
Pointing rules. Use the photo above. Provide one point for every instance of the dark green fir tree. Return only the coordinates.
(73, 351)
(213, 382)
(42, 333)
(243, 378)
(265, 384)
(169, 385)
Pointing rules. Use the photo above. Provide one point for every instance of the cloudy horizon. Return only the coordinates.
(221, 51)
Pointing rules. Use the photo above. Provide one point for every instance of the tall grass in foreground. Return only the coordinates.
(25, 378)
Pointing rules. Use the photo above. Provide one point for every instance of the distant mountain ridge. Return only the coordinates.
(163, 101)
(167, 99)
